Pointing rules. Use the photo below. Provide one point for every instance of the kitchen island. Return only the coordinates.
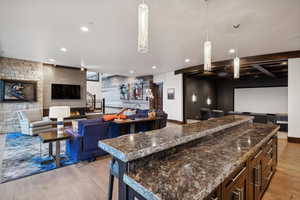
(224, 158)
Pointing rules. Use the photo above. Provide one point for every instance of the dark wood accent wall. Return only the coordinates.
(225, 89)
(202, 89)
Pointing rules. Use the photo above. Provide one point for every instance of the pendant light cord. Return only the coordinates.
(207, 18)
(236, 27)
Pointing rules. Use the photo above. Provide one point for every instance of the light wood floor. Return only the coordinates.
(89, 181)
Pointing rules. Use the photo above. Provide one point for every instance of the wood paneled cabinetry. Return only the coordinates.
(256, 176)
(236, 186)
(262, 168)
(250, 181)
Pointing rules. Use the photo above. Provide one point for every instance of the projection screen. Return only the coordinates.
(261, 100)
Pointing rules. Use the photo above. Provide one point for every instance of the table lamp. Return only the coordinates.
(59, 113)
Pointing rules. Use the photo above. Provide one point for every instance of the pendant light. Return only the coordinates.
(143, 28)
(236, 60)
(82, 65)
(207, 45)
(236, 67)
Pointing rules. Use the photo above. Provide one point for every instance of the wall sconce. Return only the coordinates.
(208, 101)
(194, 98)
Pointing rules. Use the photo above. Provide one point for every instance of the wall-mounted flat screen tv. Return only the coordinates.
(62, 91)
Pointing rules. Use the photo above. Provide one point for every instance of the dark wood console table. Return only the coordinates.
(50, 138)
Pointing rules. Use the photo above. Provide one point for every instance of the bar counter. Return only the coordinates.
(186, 162)
(134, 146)
(192, 173)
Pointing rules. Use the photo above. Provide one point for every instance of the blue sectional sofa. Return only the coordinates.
(84, 142)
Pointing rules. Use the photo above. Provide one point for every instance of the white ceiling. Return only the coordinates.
(37, 29)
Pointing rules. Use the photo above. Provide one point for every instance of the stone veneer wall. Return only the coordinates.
(19, 70)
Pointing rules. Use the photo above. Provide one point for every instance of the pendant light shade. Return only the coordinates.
(207, 44)
(143, 28)
(236, 67)
(207, 55)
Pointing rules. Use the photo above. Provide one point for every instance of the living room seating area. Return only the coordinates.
(84, 142)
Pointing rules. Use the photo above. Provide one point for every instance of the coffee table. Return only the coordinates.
(53, 137)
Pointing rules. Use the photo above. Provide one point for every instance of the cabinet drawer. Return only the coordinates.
(269, 146)
(236, 186)
(267, 174)
(234, 177)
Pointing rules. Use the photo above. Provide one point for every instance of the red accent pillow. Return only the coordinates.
(113, 117)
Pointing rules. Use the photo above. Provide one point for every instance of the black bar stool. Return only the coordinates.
(113, 172)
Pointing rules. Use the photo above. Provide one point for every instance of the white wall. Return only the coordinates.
(174, 108)
(294, 97)
(261, 100)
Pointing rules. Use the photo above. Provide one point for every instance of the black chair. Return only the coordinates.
(282, 121)
(271, 118)
(163, 117)
(260, 118)
(246, 113)
(234, 113)
(205, 113)
(217, 113)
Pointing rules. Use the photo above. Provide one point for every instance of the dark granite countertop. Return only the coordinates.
(194, 172)
(134, 146)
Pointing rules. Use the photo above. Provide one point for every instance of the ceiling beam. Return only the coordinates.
(251, 60)
(263, 70)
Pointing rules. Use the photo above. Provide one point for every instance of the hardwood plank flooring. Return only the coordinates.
(285, 184)
(89, 181)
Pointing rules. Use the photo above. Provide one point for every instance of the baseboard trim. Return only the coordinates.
(293, 140)
(175, 121)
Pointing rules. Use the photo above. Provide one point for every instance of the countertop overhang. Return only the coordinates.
(134, 146)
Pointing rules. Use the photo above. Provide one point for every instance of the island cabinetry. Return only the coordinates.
(235, 187)
(216, 194)
(270, 161)
(250, 181)
(256, 176)
(262, 168)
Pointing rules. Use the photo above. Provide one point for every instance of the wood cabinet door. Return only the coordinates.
(236, 188)
(269, 161)
(256, 176)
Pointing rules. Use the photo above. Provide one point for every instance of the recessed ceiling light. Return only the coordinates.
(131, 71)
(154, 67)
(187, 60)
(284, 63)
(82, 69)
(231, 51)
(84, 29)
(63, 49)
